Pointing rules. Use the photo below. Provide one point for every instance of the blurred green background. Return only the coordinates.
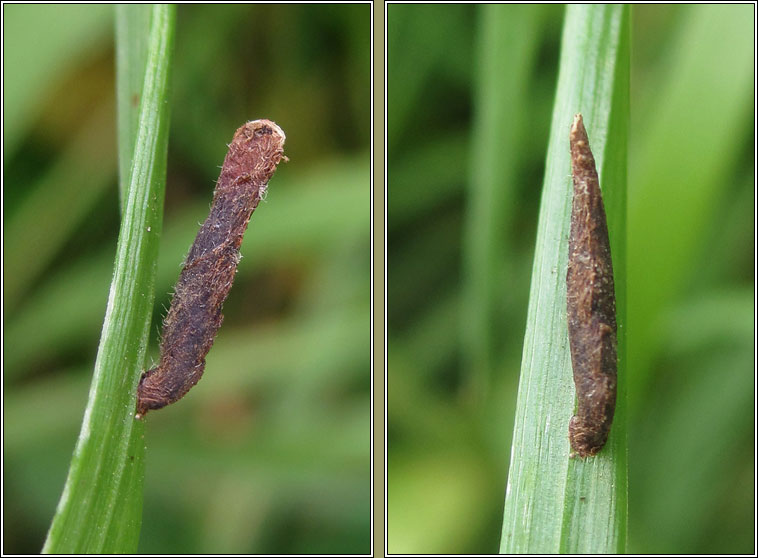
(271, 453)
(690, 284)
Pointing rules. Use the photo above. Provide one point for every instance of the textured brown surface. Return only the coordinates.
(195, 314)
(591, 304)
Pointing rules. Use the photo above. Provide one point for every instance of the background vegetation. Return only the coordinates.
(272, 453)
(690, 269)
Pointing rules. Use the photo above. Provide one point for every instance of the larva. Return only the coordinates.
(591, 304)
(208, 272)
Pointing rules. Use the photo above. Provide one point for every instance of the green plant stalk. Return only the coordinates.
(101, 505)
(132, 45)
(555, 504)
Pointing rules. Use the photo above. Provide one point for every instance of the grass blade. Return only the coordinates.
(131, 55)
(553, 503)
(101, 505)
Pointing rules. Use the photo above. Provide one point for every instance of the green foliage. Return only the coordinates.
(270, 453)
(101, 507)
(689, 363)
(691, 264)
(553, 503)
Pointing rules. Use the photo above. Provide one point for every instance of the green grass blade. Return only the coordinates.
(553, 503)
(131, 55)
(101, 505)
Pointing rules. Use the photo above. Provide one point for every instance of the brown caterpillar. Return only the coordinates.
(591, 304)
(206, 278)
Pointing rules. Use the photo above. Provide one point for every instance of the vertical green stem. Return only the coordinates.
(101, 505)
(553, 503)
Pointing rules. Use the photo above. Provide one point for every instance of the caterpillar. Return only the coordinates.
(194, 316)
(590, 304)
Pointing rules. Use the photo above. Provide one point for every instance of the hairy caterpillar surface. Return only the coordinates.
(208, 272)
